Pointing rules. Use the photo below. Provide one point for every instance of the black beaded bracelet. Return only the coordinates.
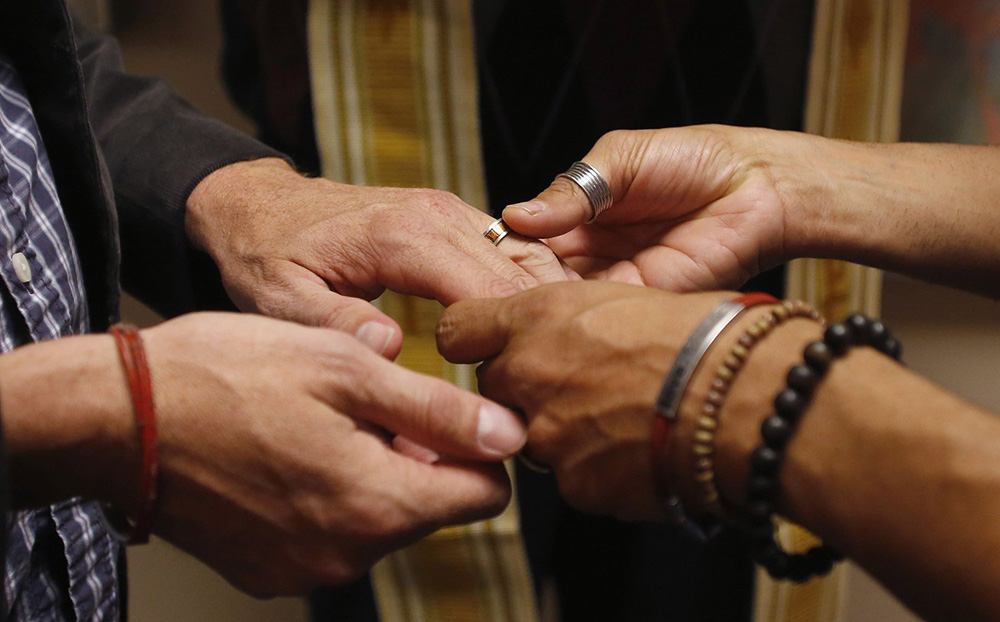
(777, 429)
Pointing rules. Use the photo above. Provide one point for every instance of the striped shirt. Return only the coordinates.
(61, 560)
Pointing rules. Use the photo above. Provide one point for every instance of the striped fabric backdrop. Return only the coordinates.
(395, 103)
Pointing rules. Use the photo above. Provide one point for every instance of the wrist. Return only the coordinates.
(218, 203)
(799, 168)
(748, 402)
(68, 423)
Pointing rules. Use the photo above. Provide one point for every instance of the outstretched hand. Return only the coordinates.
(693, 211)
(314, 251)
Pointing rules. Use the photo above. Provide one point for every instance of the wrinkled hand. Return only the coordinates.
(695, 209)
(584, 362)
(313, 251)
(275, 463)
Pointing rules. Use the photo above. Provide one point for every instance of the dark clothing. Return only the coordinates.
(125, 153)
(554, 75)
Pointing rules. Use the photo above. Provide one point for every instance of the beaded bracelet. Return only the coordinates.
(669, 399)
(777, 429)
(703, 447)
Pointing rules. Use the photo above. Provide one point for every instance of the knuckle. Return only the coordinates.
(439, 203)
(545, 438)
(536, 254)
(613, 140)
(523, 281)
(502, 288)
(444, 332)
(523, 375)
(400, 228)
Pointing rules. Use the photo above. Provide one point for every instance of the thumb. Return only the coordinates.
(563, 206)
(559, 209)
(358, 317)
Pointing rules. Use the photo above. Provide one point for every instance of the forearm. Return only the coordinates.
(892, 471)
(930, 211)
(67, 422)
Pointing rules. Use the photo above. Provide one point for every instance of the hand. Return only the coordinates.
(584, 362)
(695, 209)
(312, 251)
(275, 465)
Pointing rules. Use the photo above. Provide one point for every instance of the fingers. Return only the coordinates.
(415, 450)
(437, 415)
(535, 258)
(450, 494)
(354, 316)
(559, 208)
(472, 331)
(563, 206)
(449, 273)
(304, 298)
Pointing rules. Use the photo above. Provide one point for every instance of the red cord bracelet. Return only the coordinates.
(133, 357)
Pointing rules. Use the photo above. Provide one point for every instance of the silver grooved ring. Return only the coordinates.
(593, 185)
(496, 232)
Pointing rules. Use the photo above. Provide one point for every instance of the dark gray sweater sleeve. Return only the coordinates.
(157, 148)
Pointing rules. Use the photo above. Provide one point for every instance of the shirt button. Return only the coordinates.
(21, 267)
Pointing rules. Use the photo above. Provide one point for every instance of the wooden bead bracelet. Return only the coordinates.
(703, 447)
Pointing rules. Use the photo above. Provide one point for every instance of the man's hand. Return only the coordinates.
(313, 251)
(276, 467)
(695, 209)
(584, 362)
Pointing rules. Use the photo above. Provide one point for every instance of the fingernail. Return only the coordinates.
(375, 335)
(531, 208)
(501, 432)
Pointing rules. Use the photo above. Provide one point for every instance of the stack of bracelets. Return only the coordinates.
(776, 430)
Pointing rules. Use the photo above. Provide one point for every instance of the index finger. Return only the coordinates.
(473, 330)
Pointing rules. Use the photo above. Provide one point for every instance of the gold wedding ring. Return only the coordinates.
(496, 232)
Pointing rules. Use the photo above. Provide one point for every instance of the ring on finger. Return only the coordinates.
(593, 184)
(496, 232)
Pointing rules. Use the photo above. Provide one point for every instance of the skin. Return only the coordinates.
(913, 502)
(898, 474)
(289, 456)
(707, 207)
(275, 463)
(315, 251)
